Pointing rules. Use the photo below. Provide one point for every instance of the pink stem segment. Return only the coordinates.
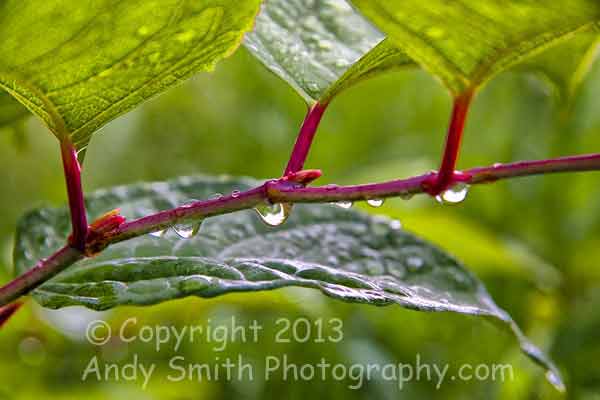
(446, 176)
(281, 190)
(8, 311)
(305, 138)
(72, 170)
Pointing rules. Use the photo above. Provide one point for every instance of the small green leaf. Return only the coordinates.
(346, 254)
(311, 44)
(566, 65)
(465, 42)
(78, 65)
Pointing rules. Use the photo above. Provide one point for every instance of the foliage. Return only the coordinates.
(320, 48)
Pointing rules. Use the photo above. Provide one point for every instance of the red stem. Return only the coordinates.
(305, 138)
(8, 311)
(72, 170)
(446, 175)
(279, 190)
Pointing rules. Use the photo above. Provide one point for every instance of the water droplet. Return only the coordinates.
(395, 225)
(143, 31)
(312, 86)
(324, 44)
(272, 214)
(435, 32)
(186, 36)
(159, 233)
(216, 196)
(556, 381)
(235, 193)
(343, 204)
(341, 63)
(414, 263)
(187, 230)
(375, 202)
(406, 196)
(454, 195)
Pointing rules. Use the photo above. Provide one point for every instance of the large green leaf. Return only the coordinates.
(465, 42)
(346, 254)
(79, 64)
(311, 44)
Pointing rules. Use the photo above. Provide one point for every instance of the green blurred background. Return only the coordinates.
(534, 242)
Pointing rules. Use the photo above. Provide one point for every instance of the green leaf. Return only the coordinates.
(465, 42)
(78, 65)
(311, 44)
(346, 254)
(11, 111)
(566, 65)
(384, 57)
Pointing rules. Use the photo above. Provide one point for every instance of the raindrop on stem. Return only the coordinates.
(187, 230)
(273, 214)
(343, 204)
(375, 202)
(456, 194)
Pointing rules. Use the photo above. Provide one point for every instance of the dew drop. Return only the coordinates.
(395, 225)
(235, 193)
(187, 230)
(159, 233)
(414, 263)
(555, 380)
(406, 196)
(375, 202)
(341, 63)
(273, 214)
(454, 195)
(186, 36)
(143, 31)
(312, 86)
(343, 204)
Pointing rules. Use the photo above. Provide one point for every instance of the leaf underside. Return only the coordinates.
(310, 44)
(465, 42)
(345, 254)
(79, 65)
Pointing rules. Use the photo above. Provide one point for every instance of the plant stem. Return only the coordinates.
(305, 138)
(8, 311)
(445, 177)
(283, 191)
(43, 271)
(72, 170)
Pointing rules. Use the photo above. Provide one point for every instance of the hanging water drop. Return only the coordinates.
(556, 381)
(456, 194)
(345, 204)
(375, 202)
(160, 233)
(273, 214)
(187, 230)
(235, 193)
(406, 195)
